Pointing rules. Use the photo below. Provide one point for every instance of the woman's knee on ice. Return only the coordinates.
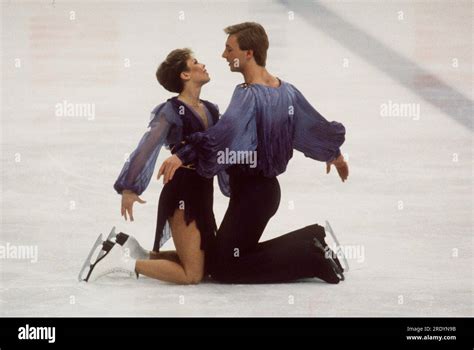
(194, 274)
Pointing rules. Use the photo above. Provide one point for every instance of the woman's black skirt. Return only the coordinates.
(194, 194)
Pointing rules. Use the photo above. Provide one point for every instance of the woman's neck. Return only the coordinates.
(190, 95)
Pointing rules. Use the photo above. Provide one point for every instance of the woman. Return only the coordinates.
(185, 204)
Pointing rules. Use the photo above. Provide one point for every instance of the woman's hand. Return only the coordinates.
(169, 167)
(128, 198)
(341, 167)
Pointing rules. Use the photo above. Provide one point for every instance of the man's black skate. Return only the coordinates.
(320, 235)
(329, 257)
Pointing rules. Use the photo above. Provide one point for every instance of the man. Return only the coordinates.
(269, 117)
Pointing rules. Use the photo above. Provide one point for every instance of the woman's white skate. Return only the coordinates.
(130, 245)
(110, 258)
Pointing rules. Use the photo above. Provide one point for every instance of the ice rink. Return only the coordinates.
(398, 75)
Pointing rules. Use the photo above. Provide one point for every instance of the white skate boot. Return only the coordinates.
(132, 247)
(112, 258)
(129, 244)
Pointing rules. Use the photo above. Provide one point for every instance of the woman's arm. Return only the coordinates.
(137, 171)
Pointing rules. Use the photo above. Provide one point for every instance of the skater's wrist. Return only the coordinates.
(335, 158)
(339, 161)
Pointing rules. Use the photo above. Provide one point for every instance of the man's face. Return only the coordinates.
(236, 57)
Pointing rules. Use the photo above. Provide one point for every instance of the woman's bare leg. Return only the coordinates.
(187, 240)
(171, 255)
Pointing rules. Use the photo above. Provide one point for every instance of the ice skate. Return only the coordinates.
(87, 263)
(339, 249)
(111, 259)
(105, 246)
(112, 235)
(319, 234)
(129, 244)
(329, 257)
(132, 247)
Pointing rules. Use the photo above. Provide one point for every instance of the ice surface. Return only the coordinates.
(406, 210)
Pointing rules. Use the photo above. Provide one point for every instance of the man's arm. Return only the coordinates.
(317, 138)
(187, 154)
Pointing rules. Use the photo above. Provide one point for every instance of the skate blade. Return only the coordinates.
(87, 262)
(106, 248)
(339, 250)
(111, 235)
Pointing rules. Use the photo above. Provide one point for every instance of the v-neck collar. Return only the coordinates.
(196, 115)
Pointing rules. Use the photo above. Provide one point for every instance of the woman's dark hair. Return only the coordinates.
(168, 73)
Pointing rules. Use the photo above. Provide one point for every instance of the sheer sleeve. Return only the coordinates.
(236, 131)
(316, 137)
(138, 170)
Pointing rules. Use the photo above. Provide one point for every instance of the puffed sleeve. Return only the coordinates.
(138, 169)
(313, 135)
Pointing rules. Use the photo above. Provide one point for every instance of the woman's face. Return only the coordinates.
(196, 73)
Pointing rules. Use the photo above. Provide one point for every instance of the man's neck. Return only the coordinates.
(190, 95)
(255, 74)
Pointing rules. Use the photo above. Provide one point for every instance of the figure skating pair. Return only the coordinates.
(267, 116)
